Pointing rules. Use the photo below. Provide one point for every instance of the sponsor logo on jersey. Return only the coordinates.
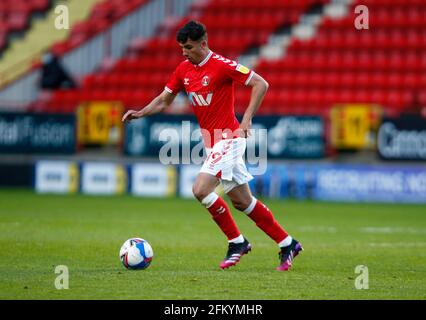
(199, 99)
(242, 69)
(186, 81)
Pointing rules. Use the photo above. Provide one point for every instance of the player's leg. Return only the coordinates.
(243, 200)
(203, 190)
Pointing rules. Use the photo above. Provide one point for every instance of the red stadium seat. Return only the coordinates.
(342, 65)
(383, 65)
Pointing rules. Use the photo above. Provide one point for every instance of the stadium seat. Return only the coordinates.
(385, 65)
(15, 15)
(234, 27)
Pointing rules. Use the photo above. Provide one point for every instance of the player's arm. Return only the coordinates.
(158, 104)
(259, 87)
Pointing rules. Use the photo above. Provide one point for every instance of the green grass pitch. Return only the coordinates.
(40, 232)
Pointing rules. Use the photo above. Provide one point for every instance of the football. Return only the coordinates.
(136, 253)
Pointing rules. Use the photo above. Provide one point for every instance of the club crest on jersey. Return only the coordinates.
(185, 81)
(205, 82)
(242, 69)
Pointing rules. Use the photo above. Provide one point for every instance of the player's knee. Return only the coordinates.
(200, 192)
(241, 204)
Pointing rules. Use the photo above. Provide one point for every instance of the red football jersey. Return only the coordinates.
(210, 89)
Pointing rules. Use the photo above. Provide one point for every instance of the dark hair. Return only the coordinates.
(193, 30)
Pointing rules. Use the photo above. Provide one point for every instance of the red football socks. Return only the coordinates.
(264, 219)
(221, 215)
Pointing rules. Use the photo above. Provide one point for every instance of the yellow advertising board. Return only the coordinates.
(73, 178)
(172, 181)
(353, 126)
(121, 179)
(100, 122)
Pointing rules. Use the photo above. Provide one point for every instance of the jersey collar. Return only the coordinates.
(202, 63)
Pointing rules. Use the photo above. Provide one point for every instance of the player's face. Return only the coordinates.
(194, 51)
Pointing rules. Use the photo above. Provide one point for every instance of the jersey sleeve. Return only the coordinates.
(237, 72)
(175, 85)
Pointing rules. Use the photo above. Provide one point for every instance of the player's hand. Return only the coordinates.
(130, 115)
(245, 128)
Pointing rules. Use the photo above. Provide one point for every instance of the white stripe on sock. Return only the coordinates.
(239, 239)
(251, 206)
(209, 200)
(286, 242)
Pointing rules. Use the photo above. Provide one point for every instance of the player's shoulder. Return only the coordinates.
(183, 65)
(222, 61)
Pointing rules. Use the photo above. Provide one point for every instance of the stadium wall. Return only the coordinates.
(323, 182)
(383, 183)
(43, 151)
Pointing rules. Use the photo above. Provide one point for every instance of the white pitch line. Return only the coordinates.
(397, 244)
(390, 230)
(326, 229)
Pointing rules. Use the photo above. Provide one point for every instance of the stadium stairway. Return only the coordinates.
(383, 65)
(16, 16)
(22, 53)
(103, 14)
(234, 27)
(92, 42)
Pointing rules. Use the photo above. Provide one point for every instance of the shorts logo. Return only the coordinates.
(216, 157)
(213, 159)
(242, 69)
(205, 82)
